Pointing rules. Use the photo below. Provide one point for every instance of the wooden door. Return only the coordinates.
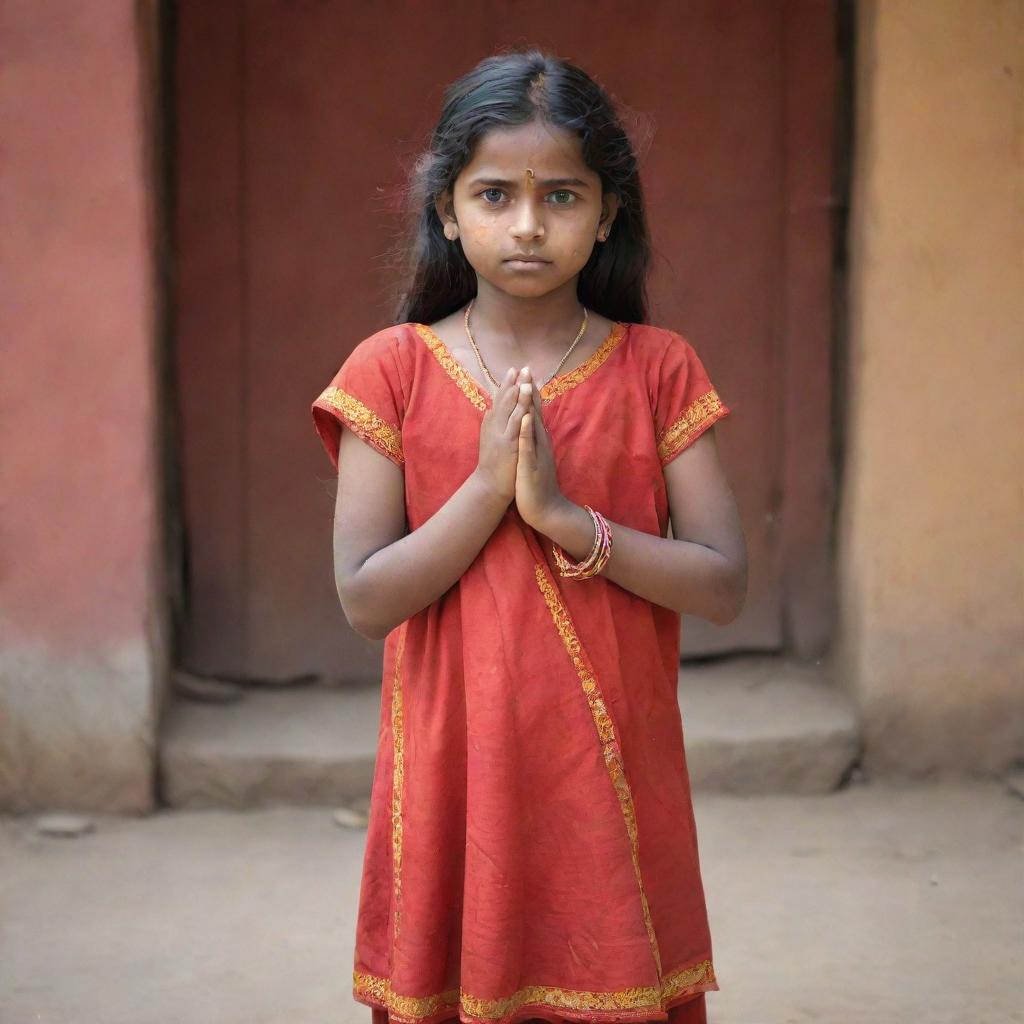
(294, 123)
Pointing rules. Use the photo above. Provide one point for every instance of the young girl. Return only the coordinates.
(517, 446)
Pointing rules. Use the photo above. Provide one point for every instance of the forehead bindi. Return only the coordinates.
(533, 155)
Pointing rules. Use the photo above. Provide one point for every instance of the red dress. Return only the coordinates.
(531, 849)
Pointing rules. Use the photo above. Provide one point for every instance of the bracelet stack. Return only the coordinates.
(599, 553)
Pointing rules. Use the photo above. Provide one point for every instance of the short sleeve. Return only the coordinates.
(686, 403)
(367, 396)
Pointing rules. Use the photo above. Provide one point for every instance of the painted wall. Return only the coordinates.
(80, 645)
(932, 595)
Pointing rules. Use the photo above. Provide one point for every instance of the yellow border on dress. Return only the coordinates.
(371, 989)
(362, 420)
(397, 776)
(610, 749)
(695, 417)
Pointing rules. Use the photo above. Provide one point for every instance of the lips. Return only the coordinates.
(519, 258)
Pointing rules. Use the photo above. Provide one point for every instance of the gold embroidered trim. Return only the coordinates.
(371, 988)
(567, 381)
(606, 733)
(467, 383)
(472, 389)
(397, 777)
(694, 418)
(364, 421)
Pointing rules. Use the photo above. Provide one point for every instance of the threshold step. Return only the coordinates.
(766, 724)
(752, 724)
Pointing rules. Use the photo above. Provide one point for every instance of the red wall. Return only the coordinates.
(78, 520)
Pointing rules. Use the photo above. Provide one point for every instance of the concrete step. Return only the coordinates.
(298, 746)
(752, 724)
(760, 724)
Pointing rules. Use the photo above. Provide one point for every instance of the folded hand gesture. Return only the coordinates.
(538, 495)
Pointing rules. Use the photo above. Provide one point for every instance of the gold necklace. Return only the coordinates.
(483, 365)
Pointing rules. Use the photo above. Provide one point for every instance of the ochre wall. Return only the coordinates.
(79, 641)
(932, 596)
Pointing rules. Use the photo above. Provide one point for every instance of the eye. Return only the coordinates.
(569, 197)
(492, 189)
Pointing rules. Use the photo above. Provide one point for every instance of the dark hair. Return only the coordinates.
(517, 88)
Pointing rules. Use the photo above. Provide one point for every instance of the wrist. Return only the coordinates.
(564, 521)
(486, 492)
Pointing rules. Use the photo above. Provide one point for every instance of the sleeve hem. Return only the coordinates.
(700, 414)
(339, 406)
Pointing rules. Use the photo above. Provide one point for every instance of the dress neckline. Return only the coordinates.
(558, 385)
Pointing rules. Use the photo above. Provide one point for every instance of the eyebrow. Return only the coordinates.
(546, 182)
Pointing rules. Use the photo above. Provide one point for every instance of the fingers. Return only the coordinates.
(518, 400)
(507, 393)
(528, 394)
(537, 416)
(521, 407)
(527, 447)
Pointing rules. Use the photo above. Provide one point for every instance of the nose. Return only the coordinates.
(527, 222)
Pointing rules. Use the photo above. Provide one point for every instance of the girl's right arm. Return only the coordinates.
(385, 575)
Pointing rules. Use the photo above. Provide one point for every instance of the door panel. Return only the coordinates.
(294, 123)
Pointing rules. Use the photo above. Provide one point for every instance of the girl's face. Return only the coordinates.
(527, 192)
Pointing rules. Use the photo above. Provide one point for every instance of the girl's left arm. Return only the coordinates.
(701, 570)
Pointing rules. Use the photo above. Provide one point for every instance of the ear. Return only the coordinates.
(609, 208)
(445, 209)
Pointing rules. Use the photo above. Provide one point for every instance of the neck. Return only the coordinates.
(536, 326)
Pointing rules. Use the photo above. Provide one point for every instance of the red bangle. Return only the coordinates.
(599, 553)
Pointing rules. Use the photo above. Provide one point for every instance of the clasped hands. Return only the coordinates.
(516, 455)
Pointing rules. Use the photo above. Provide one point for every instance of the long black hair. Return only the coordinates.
(516, 88)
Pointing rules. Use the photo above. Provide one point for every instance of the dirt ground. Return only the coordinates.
(882, 903)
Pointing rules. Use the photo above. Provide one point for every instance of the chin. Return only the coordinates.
(523, 286)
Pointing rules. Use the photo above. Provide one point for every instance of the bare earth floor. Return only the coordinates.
(882, 903)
